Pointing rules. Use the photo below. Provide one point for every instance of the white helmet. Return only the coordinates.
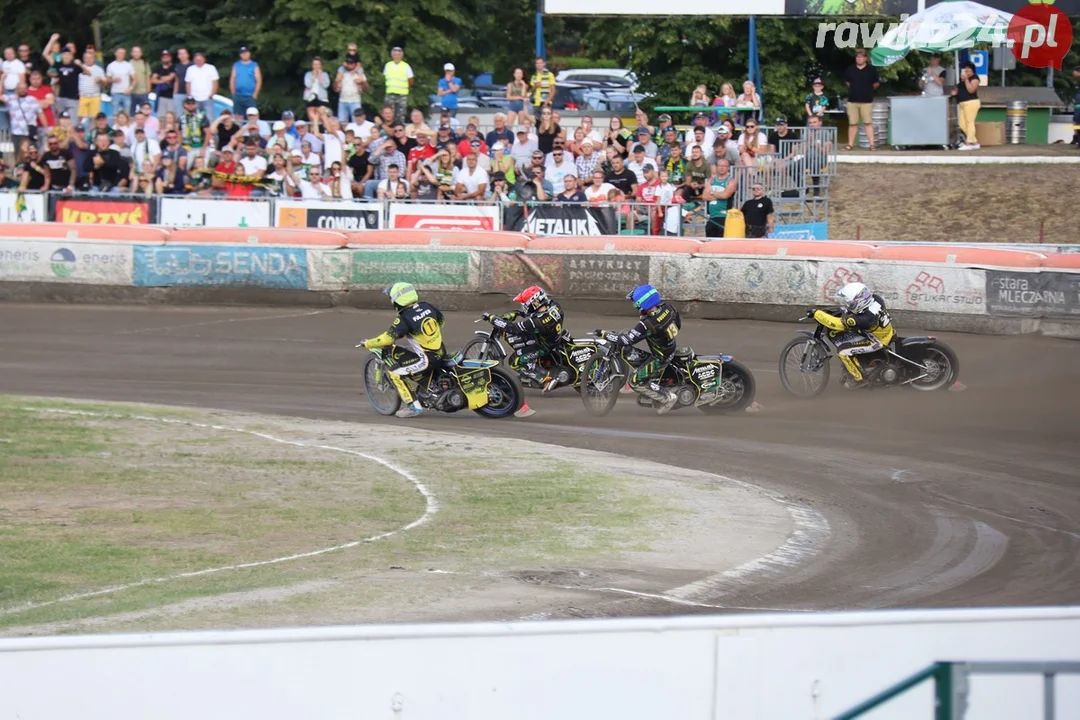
(856, 297)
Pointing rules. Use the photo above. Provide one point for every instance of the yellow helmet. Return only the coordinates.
(402, 294)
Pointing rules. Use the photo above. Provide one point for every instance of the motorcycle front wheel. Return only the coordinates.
(481, 349)
(379, 389)
(601, 381)
(804, 367)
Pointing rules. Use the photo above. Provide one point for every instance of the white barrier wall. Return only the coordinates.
(741, 667)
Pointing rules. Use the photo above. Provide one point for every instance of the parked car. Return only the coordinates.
(614, 76)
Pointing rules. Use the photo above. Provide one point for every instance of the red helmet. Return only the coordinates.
(532, 298)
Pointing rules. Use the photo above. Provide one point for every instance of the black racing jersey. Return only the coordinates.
(658, 327)
(874, 320)
(422, 322)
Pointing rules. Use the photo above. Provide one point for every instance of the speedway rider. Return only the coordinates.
(540, 330)
(658, 326)
(418, 329)
(863, 326)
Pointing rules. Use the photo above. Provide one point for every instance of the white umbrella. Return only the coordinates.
(943, 27)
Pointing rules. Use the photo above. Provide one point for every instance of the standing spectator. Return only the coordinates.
(542, 85)
(34, 175)
(571, 192)
(861, 80)
(717, 196)
(67, 84)
(13, 70)
(448, 90)
(121, 78)
(30, 63)
(201, 81)
(758, 212)
(547, 132)
(349, 83)
(399, 80)
(193, 124)
(245, 81)
(164, 81)
(43, 93)
(316, 89)
(668, 200)
(472, 180)
(517, 92)
(932, 80)
(817, 102)
(558, 166)
(183, 62)
(621, 177)
(968, 104)
(140, 72)
(26, 118)
(501, 133)
(91, 80)
(749, 98)
(648, 194)
(333, 139)
(61, 164)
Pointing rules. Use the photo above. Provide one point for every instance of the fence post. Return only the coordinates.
(950, 691)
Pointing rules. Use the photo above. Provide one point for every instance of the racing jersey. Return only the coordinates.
(547, 324)
(658, 327)
(874, 320)
(420, 322)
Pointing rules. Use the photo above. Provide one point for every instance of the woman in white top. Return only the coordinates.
(752, 143)
(597, 191)
(123, 122)
(700, 97)
(316, 87)
(748, 98)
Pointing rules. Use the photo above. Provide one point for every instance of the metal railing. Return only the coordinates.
(952, 686)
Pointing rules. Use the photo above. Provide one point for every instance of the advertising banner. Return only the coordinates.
(916, 287)
(567, 219)
(740, 280)
(18, 207)
(217, 266)
(585, 275)
(1045, 294)
(801, 231)
(343, 215)
(62, 262)
(343, 269)
(104, 211)
(203, 212)
(422, 216)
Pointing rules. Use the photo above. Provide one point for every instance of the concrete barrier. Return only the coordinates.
(934, 287)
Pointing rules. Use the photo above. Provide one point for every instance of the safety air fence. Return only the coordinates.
(985, 289)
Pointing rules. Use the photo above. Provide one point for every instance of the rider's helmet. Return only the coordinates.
(402, 294)
(532, 298)
(645, 297)
(855, 297)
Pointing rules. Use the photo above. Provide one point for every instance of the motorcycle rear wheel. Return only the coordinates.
(379, 389)
(505, 395)
(941, 358)
(739, 388)
(809, 367)
(600, 386)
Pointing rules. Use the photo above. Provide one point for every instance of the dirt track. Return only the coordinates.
(949, 499)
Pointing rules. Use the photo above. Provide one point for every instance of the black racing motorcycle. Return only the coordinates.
(714, 384)
(458, 383)
(921, 363)
(563, 363)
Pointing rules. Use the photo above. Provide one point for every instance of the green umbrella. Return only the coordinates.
(943, 27)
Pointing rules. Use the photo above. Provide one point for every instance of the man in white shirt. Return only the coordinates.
(639, 161)
(14, 71)
(523, 148)
(145, 152)
(360, 125)
(558, 165)
(393, 187)
(253, 163)
(201, 82)
(472, 180)
(121, 77)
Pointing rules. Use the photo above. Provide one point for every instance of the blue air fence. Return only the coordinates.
(539, 218)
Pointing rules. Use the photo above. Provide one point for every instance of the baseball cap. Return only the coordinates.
(301, 123)
(297, 153)
(189, 99)
(278, 125)
(448, 66)
(699, 115)
(643, 131)
(475, 142)
(359, 111)
(287, 115)
(497, 176)
(639, 148)
(245, 48)
(103, 116)
(587, 141)
(252, 111)
(396, 47)
(226, 149)
(781, 120)
(522, 129)
(444, 126)
(723, 130)
(65, 114)
(498, 146)
(665, 116)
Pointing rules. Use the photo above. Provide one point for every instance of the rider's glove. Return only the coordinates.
(497, 322)
(365, 343)
(810, 312)
(510, 316)
(612, 337)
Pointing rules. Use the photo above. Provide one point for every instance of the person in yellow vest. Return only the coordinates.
(399, 79)
(542, 86)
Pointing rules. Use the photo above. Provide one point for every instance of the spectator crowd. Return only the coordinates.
(164, 134)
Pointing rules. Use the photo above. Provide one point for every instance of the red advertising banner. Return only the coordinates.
(443, 217)
(103, 212)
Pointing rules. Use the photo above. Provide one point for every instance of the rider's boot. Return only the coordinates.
(412, 406)
(411, 410)
(662, 401)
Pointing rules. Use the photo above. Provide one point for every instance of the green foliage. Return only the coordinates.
(579, 63)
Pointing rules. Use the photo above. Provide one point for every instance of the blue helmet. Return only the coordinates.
(645, 297)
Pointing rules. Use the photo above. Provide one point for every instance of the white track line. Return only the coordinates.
(431, 507)
(220, 322)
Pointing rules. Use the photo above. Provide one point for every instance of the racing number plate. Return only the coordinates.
(474, 383)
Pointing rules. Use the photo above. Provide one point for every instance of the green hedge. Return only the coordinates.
(577, 63)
